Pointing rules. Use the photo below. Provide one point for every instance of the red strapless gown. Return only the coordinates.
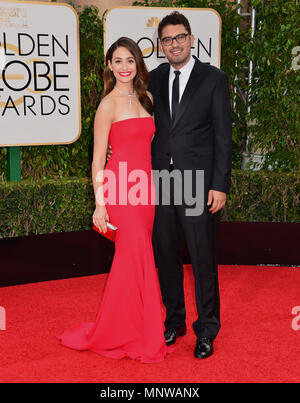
(129, 322)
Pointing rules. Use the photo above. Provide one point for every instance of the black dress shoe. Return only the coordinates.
(172, 333)
(204, 347)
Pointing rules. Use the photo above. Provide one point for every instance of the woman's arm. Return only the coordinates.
(102, 124)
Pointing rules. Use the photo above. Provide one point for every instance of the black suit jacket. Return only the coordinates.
(201, 135)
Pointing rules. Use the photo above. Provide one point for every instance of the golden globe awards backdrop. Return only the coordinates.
(140, 24)
(39, 74)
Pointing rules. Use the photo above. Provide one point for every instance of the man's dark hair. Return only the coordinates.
(174, 18)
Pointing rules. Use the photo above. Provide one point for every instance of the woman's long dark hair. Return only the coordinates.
(142, 78)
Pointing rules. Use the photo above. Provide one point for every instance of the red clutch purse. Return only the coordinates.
(110, 232)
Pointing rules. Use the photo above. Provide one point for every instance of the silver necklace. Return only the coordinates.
(128, 94)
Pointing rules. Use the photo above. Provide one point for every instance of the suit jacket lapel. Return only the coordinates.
(189, 90)
(164, 93)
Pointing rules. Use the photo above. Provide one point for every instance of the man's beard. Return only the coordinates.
(178, 62)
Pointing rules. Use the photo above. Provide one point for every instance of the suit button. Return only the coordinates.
(168, 155)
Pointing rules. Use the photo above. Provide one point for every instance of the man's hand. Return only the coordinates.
(218, 199)
(108, 152)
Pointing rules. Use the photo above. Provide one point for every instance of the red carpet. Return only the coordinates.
(256, 343)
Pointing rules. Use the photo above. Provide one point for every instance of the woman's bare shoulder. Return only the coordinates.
(106, 104)
(105, 110)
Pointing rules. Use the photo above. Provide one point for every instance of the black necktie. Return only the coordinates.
(175, 94)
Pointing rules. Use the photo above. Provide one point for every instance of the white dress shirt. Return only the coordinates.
(184, 76)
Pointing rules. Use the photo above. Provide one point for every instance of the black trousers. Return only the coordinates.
(171, 226)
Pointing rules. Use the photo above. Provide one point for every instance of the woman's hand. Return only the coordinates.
(108, 152)
(100, 217)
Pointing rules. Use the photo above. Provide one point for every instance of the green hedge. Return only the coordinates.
(48, 206)
(273, 96)
(45, 206)
(56, 193)
(72, 160)
(274, 102)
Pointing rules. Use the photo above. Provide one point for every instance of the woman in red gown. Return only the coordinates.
(129, 322)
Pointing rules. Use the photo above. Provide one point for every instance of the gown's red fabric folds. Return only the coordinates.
(129, 321)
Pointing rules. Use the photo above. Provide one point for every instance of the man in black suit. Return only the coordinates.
(193, 132)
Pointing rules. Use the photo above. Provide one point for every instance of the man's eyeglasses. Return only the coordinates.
(168, 40)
